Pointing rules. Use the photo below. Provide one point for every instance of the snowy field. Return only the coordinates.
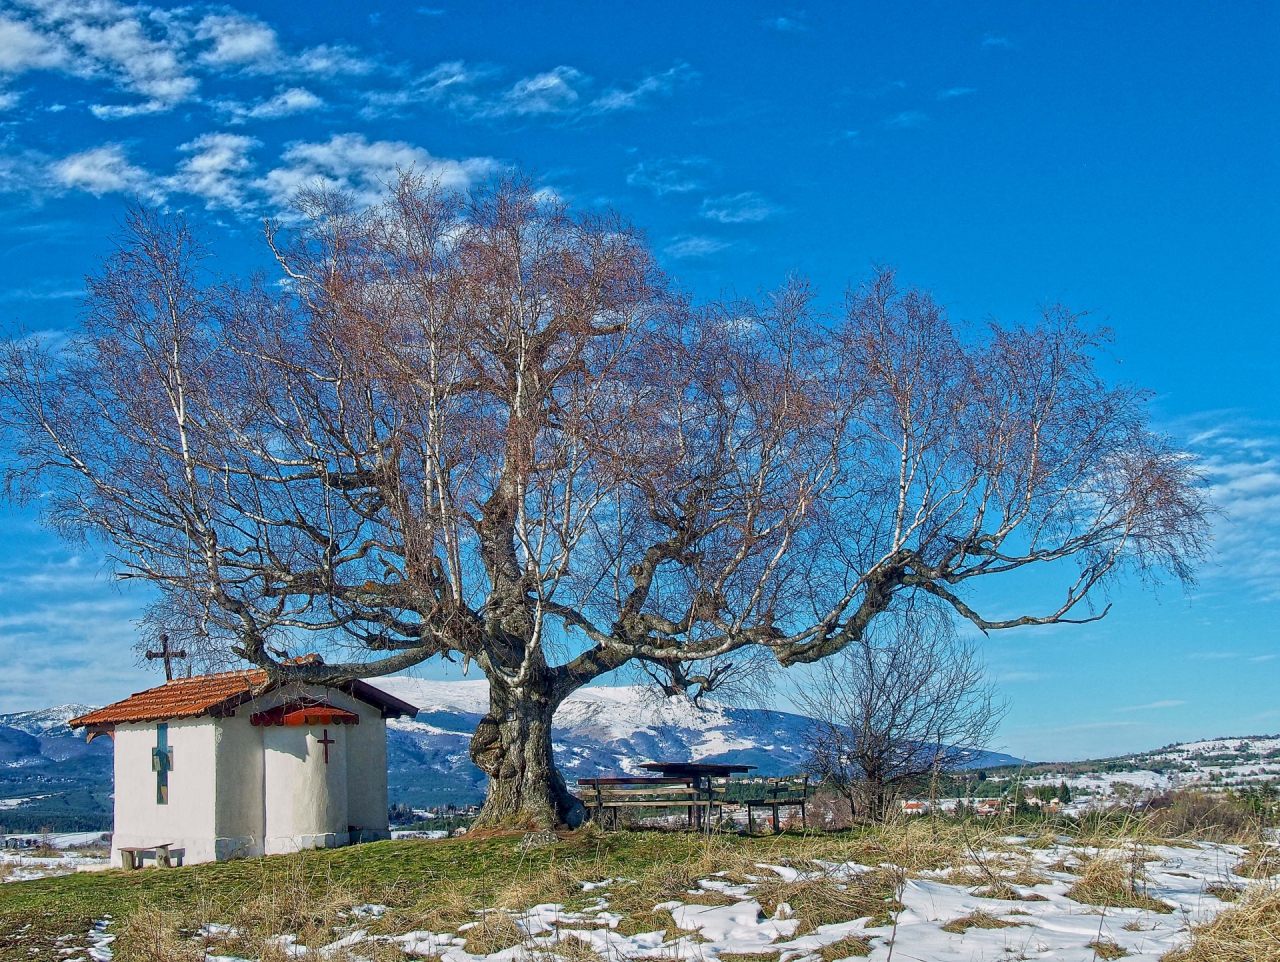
(77, 852)
(938, 914)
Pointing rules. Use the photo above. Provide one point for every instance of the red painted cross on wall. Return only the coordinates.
(326, 741)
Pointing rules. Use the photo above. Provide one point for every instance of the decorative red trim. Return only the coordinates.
(301, 713)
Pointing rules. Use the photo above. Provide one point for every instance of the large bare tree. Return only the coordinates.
(485, 426)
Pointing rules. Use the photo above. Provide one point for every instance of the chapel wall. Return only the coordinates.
(366, 770)
(239, 815)
(305, 797)
(187, 821)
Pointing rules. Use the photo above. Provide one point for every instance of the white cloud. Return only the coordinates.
(1241, 461)
(737, 208)
(286, 103)
(667, 176)
(349, 162)
(952, 92)
(617, 98)
(215, 169)
(908, 118)
(1020, 676)
(102, 170)
(993, 40)
(553, 92)
(155, 53)
(450, 84)
(334, 60)
(694, 245)
(22, 48)
(1169, 703)
(238, 41)
(792, 24)
(563, 92)
(125, 111)
(138, 49)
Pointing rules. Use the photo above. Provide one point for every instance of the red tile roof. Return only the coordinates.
(213, 694)
(180, 698)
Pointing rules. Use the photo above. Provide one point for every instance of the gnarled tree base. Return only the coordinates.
(525, 789)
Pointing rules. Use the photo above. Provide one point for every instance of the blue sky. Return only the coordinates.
(1119, 158)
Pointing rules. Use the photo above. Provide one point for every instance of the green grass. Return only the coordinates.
(427, 881)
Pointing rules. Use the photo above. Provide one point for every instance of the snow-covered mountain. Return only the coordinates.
(45, 721)
(597, 732)
(49, 776)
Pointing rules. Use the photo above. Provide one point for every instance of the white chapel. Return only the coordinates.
(228, 766)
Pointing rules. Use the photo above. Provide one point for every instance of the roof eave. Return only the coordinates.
(390, 705)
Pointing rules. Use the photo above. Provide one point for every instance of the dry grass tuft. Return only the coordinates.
(1248, 931)
(494, 932)
(1196, 814)
(1106, 950)
(826, 900)
(848, 947)
(1261, 861)
(1006, 892)
(444, 907)
(1223, 891)
(978, 920)
(557, 884)
(1111, 881)
(151, 935)
(573, 949)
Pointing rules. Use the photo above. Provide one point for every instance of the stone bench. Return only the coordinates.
(134, 856)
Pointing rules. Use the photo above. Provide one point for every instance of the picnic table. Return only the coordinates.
(687, 785)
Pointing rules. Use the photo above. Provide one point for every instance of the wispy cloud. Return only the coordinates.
(737, 208)
(1263, 658)
(350, 162)
(218, 168)
(1212, 655)
(1014, 677)
(564, 92)
(215, 170)
(1240, 459)
(793, 22)
(1150, 706)
(694, 245)
(952, 92)
(995, 40)
(285, 103)
(157, 55)
(668, 176)
(102, 170)
(907, 119)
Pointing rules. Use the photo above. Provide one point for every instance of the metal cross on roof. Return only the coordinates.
(168, 655)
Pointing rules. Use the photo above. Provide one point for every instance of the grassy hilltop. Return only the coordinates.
(386, 895)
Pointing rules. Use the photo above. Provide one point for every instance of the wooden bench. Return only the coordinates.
(604, 796)
(133, 856)
(779, 793)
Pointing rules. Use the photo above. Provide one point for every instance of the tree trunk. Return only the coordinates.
(512, 745)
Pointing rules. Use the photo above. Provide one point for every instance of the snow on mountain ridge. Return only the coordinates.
(45, 721)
